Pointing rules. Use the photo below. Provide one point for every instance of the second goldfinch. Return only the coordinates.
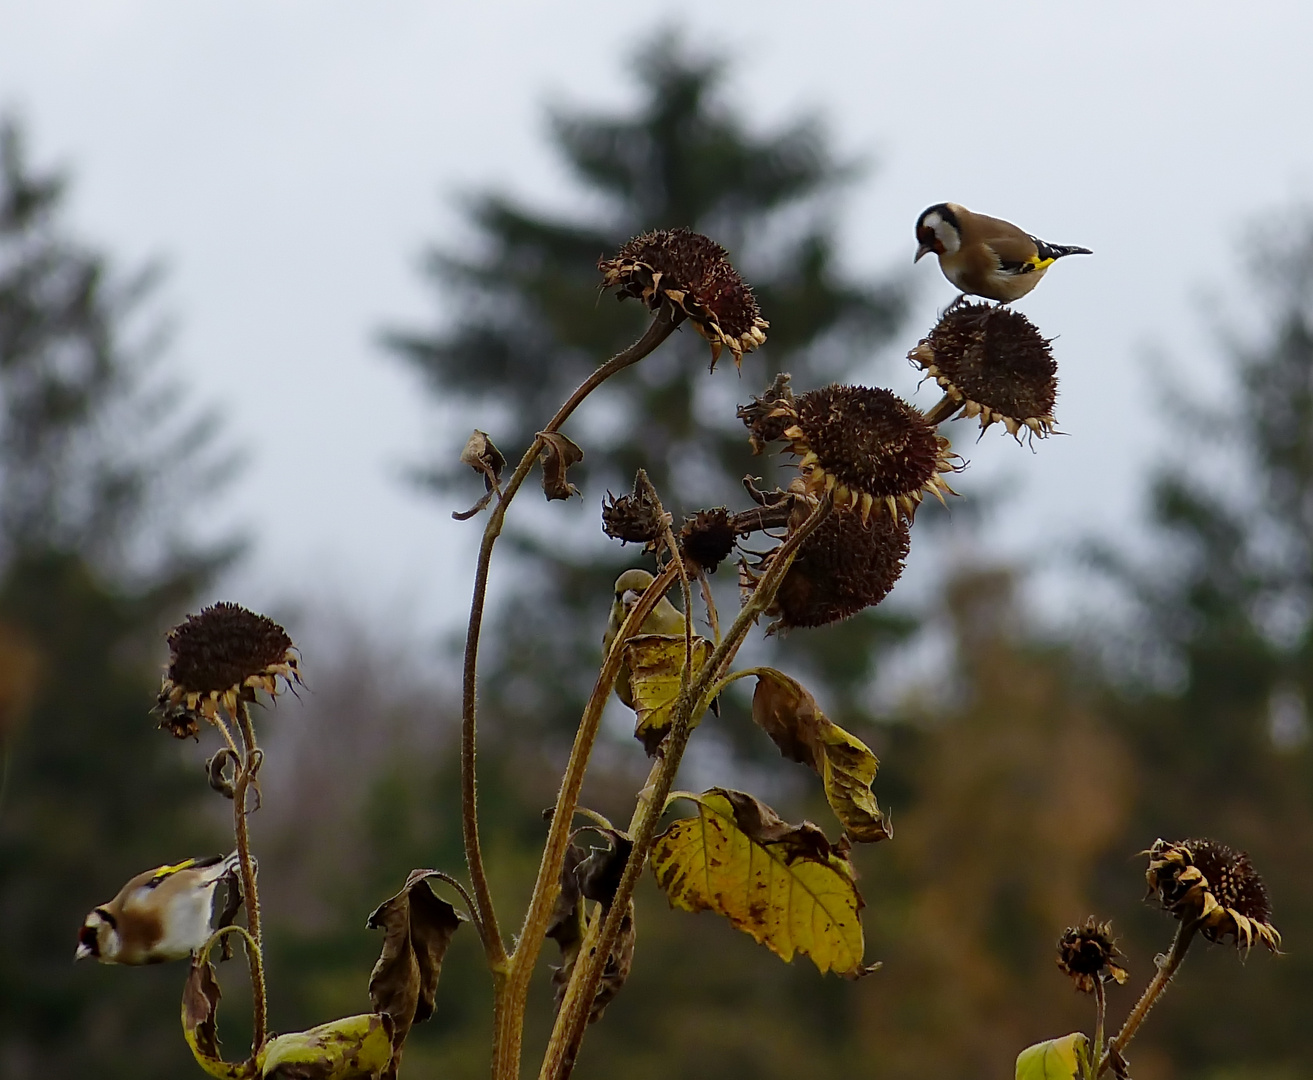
(665, 619)
(985, 256)
(161, 915)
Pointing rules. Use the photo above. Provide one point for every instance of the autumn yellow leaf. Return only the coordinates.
(354, 1048)
(200, 1005)
(1054, 1059)
(786, 711)
(655, 662)
(783, 884)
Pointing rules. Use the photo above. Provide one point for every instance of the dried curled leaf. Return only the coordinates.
(1054, 1059)
(200, 1007)
(592, 875)
(354, 1048)
(786, 711)
(484, 458)
(418, 927)
(655, 662)
(785, 885)
(559, 453)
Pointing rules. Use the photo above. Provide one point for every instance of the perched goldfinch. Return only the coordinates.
(161, 915)
(665, 619)
(984, 256)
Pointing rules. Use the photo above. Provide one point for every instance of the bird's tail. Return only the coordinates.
(1049, 252)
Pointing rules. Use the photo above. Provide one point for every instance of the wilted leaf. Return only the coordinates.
(594, 875)
(418, 927)
(559, 453)
(200, 1006)
(354, 1048)
(655, 662)
(1056, 1059)
(787, 712)
(786, 885)
(484, 458)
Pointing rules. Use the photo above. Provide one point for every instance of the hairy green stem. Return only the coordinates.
(572, 1019)
(250, 890)
(1166, 969)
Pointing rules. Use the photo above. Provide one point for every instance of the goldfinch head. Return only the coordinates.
(938, 230)
(98, 938)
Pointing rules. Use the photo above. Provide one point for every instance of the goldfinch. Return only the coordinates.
(665, 619)
(984, 256)
(161, 915)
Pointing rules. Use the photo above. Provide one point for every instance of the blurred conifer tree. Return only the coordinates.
(525, 325)
(91, 567)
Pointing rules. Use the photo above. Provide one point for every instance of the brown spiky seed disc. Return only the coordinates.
(843, 567)
(1208, 881)
(632, 519)
(996, 360)
(224, 646)
(1090, 955)
(691, 272)
(869, 440)
(708, 537)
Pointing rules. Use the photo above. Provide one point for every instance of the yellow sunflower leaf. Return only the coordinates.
(783, 884)
(1054, 1059)
(655, 662)
(354, 1048)
(200, 1004)
(786, 711)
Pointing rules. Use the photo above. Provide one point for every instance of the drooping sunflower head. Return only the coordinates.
(1208, 882)
(218, 658)
(996, 363)
(707, 538)
(1089, 955)
(690, 271)
(846, 565)
(867, 445)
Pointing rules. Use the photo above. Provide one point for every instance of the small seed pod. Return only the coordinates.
(690, 271)
(1089, 955)
(996, 364)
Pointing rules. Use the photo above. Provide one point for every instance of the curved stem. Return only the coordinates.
(572, 1019)
(1166, 969)
(250, 892)
(485, 915)
(946, 409)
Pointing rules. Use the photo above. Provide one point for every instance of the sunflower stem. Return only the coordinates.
(508, 995)
(1166, 969)
(1100, 1013)
(250, 892)
(576, 1006)
(946, 409)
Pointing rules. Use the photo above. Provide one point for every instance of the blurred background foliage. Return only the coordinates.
(1022, 779)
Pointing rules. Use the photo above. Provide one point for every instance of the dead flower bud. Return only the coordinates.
(1207, 881)
(558, 454)
(633, 519)
(484, 458)
(708, 537)
(767, 416)
(690, 271)
(1089, 954)
(220, 657)
(996, 363)
(846, 565)
(868, 446)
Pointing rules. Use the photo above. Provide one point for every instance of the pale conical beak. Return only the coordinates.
(924, 249)
(83, 951)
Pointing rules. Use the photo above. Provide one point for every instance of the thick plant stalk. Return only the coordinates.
(572, 1019)
(250, 891)
(1166, 969)
(509, 1020)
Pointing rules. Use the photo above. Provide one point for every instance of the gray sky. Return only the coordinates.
(290, 158)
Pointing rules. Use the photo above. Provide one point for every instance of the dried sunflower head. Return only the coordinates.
(218, 658)
(690, 271)
(708, 537)
(1089, 954)
(1209, 882)
(633, 519)
(868, 446)
(846, 565)
(996, 363)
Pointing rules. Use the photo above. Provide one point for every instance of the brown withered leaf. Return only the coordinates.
(592, 875)
(559, 453)
(200, 1007)
(484, 458)
(786, 711)
(655, 662)
(785, 885)
(418, 926)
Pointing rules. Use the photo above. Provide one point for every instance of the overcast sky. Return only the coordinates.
(289, 159)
